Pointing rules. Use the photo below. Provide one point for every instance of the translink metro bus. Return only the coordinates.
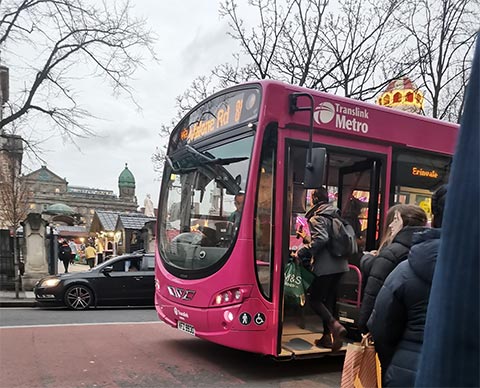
(223, 281)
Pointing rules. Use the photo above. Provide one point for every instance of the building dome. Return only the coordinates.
(402, 94)
(59, 209)
(126, 178)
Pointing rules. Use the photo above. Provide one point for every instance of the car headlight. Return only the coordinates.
(50, 282)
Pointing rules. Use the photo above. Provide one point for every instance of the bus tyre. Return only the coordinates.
(78, 297)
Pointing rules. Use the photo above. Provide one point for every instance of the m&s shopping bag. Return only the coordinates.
(294, 286)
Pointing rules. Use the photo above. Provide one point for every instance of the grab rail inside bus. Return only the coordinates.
(358, 299)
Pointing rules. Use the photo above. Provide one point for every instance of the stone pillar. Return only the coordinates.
(148, 236)
(36, 259)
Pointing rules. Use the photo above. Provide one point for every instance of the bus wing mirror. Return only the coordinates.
(315, 168)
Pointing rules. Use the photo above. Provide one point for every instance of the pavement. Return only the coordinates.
(27, 298)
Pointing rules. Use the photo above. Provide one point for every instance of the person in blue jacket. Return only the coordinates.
(398, 319)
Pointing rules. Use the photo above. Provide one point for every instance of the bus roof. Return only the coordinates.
(346, 116)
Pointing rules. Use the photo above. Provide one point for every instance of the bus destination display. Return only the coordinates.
(220, 113)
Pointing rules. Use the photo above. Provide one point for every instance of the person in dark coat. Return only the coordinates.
(368, 258)
(398, 319)
(328, 269)
(352, 216)
(407, 220)
(65, 254)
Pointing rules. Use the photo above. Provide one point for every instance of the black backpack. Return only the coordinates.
(342, 240)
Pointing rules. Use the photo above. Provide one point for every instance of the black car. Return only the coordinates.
(122, 280)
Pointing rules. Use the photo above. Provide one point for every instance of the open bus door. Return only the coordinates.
(358, 200)
(348, 173)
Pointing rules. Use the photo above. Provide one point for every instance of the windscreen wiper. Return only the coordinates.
(206, 159)
(201, 160)
(179, 170)
(225, 161)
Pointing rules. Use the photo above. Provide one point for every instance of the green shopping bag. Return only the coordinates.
(307, 277)
(297, 282)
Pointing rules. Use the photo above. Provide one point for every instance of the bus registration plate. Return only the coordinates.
(186, 327)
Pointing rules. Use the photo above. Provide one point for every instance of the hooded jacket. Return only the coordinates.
(381, 266)
(320, 225)
(398, 319)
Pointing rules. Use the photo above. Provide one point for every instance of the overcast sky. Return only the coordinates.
(192, 40)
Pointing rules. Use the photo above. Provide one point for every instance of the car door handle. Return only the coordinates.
(138, 277)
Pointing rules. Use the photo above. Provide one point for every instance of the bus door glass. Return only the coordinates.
(358, 200)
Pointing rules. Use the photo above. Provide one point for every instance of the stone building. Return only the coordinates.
(48, 189)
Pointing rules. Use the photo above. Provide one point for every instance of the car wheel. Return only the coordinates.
(78, 297)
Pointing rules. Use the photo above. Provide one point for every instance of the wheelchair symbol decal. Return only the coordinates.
(259, 319)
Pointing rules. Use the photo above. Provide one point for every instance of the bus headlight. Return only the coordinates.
(235, 295)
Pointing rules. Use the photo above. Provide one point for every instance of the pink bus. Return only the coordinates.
(220, 277)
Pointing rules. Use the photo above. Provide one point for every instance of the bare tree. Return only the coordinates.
(364, 49)
(55, 38)
(355, 48)
(321, 44)
(350, 47)
(14, 195)
(260, 44)
(301, 45)
(442, 34)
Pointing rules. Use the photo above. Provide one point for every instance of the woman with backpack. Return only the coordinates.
(327, 268)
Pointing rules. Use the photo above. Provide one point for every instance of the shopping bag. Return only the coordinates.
(307, 277)
(294, 289)
(361, 368)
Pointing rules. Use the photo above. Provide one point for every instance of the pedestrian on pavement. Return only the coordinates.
(74, 249)
(65, 254)
(398, 320)
(328, 269)
(90, 255)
